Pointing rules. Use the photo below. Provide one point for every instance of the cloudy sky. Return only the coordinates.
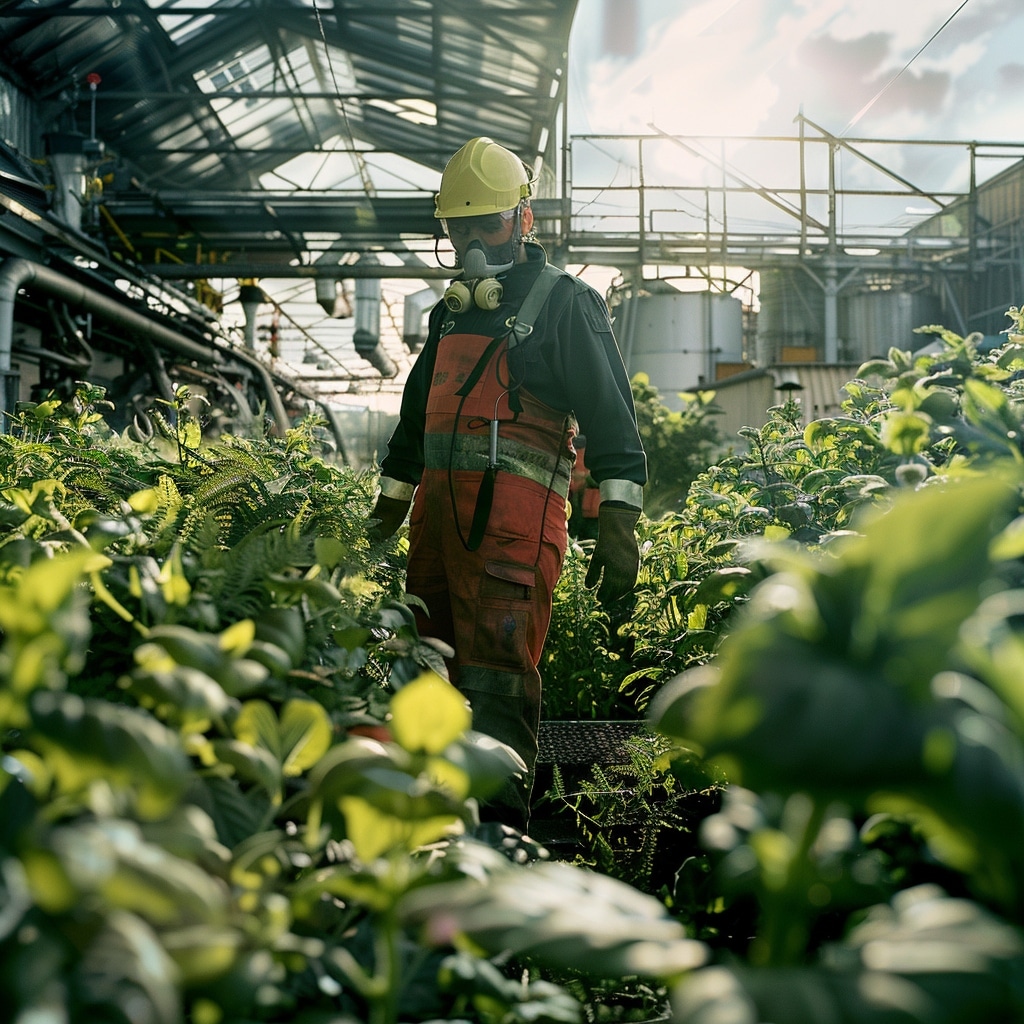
(749, 66)
(945, 70)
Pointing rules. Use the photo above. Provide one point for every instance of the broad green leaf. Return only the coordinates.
(344, 881)
(284, 627)
(428, 714)
(329, 551)
(986, 397)
(1009, 543)
(906, 433)
(483, 762)
(145, 501)
(111, 858)
(237, 638)
(257, 725)
(374, 833)
(177, 693)
(251, 764)
(48, 881)
(926, 958)
(306, 735)
(131, 968)
(202, 953)
(561, 916)
(95, 740)
(40, 590)
(37, 499)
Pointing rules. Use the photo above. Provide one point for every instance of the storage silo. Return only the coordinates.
(677, 338)
(791, 320)
(873, 321)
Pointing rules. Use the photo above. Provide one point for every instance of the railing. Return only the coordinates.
(750, 200)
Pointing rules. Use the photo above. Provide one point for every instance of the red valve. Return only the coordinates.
(93, 79)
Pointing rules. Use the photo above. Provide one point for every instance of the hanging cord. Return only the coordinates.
(485, 494)
(878, 95)
(357, 158)
(487, 483)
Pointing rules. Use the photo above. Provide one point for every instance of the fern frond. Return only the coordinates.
(169, 511)
(240, 577)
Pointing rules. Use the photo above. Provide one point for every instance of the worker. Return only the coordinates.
(519, 356)
(584, 495)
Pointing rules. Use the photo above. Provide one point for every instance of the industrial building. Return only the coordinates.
(237, 195)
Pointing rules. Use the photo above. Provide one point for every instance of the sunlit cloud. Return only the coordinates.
(729, 67)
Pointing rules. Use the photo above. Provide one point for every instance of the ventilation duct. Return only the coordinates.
(414, 327)
(367, 323)
(67, 161)
(251, 297)
(332, 298)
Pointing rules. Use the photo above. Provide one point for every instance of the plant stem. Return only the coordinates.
(384, 1004)
(785, 937)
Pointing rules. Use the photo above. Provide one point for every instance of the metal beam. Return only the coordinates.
(262, 270)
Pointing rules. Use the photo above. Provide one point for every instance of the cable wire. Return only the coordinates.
(871, 102)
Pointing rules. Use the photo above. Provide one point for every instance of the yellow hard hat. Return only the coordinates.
(481, 178)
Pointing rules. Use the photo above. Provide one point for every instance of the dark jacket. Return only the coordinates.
(570, 362)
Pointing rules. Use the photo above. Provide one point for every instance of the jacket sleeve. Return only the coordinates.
(402, 466)
(585, 372)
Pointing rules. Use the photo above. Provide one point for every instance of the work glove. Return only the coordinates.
(616, 557)
(390, 514)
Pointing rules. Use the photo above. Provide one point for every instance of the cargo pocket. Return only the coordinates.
(502, 630)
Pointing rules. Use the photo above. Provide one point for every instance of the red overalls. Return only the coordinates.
(492, 605)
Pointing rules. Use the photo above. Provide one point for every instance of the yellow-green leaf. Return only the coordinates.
(144, 501)
(305, 735)
(257, 725)
(370, 831)
(1008, 544)
(238, 638)
(428, 714)
(374, 833)
(329, 551)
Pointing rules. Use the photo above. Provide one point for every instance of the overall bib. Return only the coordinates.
(491, 604)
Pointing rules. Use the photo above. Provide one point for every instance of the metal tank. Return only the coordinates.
(678, 338)
(791, 320)
(872, 322)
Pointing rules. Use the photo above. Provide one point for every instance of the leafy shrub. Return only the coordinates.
(679, 444)
(192, 826)
(828, 630)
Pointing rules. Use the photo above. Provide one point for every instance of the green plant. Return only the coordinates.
(679, 445)
(583, 664)
(864, 681)
(635, 818)
(191, 826)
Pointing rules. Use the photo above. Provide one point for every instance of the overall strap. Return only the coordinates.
(520, 328)
(520, 324)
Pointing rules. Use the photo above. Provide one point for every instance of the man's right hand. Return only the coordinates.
(390, 514)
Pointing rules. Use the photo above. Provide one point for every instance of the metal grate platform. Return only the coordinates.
(579, 742)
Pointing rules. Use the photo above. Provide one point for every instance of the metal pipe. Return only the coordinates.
(275, 405)
(16, 273)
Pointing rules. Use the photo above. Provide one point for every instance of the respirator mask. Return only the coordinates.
(481, 263)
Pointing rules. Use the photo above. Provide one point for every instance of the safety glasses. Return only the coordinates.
(487, 224)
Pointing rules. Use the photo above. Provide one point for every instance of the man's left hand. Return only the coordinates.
(616, 557)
